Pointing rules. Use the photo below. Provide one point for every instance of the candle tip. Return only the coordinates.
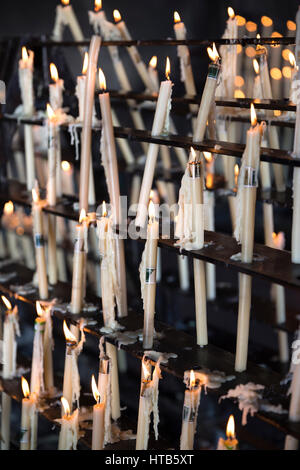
(6, 302)
(25, 387)
(98, 5)
(230, 430)
(177, 18)
(168, 68)
(117, 16)
(95, 390)
(102, 80)
(66, 406)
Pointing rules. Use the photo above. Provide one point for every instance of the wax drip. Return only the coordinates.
(75, 373)
(72, 128)
(60, 23)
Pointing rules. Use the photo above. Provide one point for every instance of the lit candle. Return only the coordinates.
(190, 409)
(244, 232)
(86, 139)
(10, 329)
(133, 52)
(37, 363)
(97, 17)
(98, 419)
(27, 418)
(39, 240)
(80, 251)
(27, 94)
(261, 53)
(153, 74)
(148, 269)
(10, 221)
(68, 436)
(185, 60)
(71, 383)
(209, 224)
(55, 89)
(148, 404)
(110, 164)
(67, 177)
(105, 388)
(231, 443)
(160, 119)
(45, 313)
(65, 16)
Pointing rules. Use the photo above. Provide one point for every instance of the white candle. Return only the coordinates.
(71, 383)
(45, 313)
(55, 89)
(80, 250)
(27, 94)
(37, 364)
(231, 443)
(28, 421)
(65, 16)
(296, 180)
(161, 115)
(133, 52)
(190, 412)
(86, 139)
(98, 419)
(39, 244)
(68, 177)
(153, 74)
(68, 435)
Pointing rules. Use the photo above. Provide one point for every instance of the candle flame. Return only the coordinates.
(102, 80)
(85, 63)
(39, 309)
(35, 195)
(117, 16)
(104, 210)
(287, 72)
(208, 157)
(253, 115)
(25, 387)
(192, 155)
(153, 62)
(279, 240)
(151, 210)
(213, 53)
(6, 302)
(65, 166)
(65, 2)
(50, 112)
(177, 18)
(66, 406)
(256, 66)
(239, 94)
(241, 21)
(251, 26)
(68, 335)
(258, 36)
(236, 170)
(82, 216)
(230, 430)
(95, 390)
(231, 13)
(98, 5)
(25, 56)
(54, 72)
(8, 208)
(145, 371)
(276, 73)
(291, 25)
(266, 21)
(192, 379)
(168, 68)
(292, 60)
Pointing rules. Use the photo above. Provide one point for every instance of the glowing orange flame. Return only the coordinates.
(256, 66)
(117, 16)
(25, 56)
(251, 26)
(208, 157)
(230, 430)
(8, 208)
(54, 72)
(104, 210)
(102, 80)
(65, 2)
(50, 112)
(193, 155)
(177, 18)
(236, 170)
(98, 5)
(66, 406)
(276, 73)
(35, 195)
(82, 216)
(292, 60)
(253, 116)
(239, 94)
(287, 72)
(231, 13)
(6, 302)
(213, 53)
(95, 390)
(266, 21)
(153, 62)
(25, 387)
(192, 379)
(241, 21)
(239, 81)
(68, 335)
(65, 166)
(151, 210)
(291, 25)
(168, 68)
(85, 63)
(39, 309)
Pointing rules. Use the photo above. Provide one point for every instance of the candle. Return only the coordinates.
(10, 329)
(65, 16)
(68, 177)
(190, 410)
(98, 419)
(37, 364)
(185, 60)
(55, 89)
(261, 53)
(133, 52)
(39, 240)
(296, 176)
(106, 390)
(275, 67)
(71, 383)
(209, 224)
(10, 222)
(80, 250)
(68, 436)
(86, 140)
(110, 164)
(244, 232)
(148, 269)
(45, 313)
(160, 118)
(153, 74)
(231, 443)
(27, 95)
(148, 404)
(28, 429)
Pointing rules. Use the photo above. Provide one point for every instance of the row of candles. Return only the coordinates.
(42, 386)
